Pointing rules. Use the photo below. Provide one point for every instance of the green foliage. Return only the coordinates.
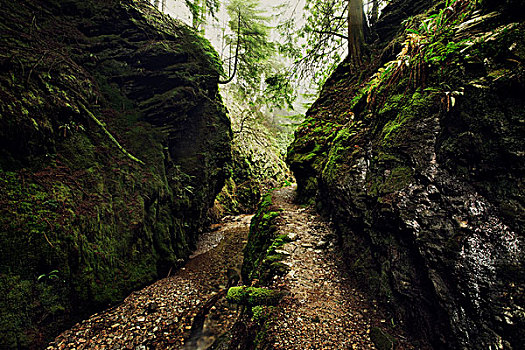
(313, 46)
(435, 33)
(199, 9)
(52, 275)
(260, 140)
(251, 45)
(252, 296)
(428, 43)
(320, 41)
(279, 92)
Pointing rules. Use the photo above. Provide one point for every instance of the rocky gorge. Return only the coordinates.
(113, 143)
(405, 230)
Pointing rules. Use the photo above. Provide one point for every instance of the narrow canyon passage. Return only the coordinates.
(122, 129)
(321, 308)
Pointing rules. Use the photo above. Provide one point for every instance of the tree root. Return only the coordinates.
(108, 134)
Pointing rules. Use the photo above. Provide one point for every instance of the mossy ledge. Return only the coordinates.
(82, 222)
(261, 262)
(261, 242)
(422, 172)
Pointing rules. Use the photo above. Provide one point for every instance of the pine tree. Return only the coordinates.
(250, 43)
(199, 10)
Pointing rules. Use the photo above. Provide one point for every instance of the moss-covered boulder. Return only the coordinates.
(423, 173)
(262, 261)
(113, 141)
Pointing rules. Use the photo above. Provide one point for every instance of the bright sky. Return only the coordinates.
(177, 9)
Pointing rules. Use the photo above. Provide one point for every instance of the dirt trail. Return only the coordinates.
(161, 315)
(322, 309)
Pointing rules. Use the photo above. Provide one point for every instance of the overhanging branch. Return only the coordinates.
(331, 33)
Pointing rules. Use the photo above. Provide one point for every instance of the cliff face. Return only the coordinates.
(113, 140)
(421, 168)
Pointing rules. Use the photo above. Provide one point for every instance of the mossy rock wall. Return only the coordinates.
(424, 182)
(81, 223)
(243, 189)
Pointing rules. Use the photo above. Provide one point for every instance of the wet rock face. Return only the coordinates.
(428, 197)
(81, 223)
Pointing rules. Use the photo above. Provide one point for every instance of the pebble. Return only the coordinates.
(321, 309)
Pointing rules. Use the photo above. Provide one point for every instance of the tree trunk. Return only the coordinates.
(375, 12)
(356, 36)
(236, 53)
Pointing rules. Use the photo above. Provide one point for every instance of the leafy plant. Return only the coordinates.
(51, 276)
(70, 128)
(429, 43)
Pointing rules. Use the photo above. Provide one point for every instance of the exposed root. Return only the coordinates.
(111, 137)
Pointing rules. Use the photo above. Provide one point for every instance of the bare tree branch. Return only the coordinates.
(331, 33)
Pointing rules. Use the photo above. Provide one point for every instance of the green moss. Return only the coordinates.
(269, 259)
(243, 189)
(474, 132)
(69, 201)
(395, 180)
(259, 313)
(252, 296)
(343, 151)
(399, 109)
(264, 317)
(210, 52)
(260, 238)
(25, 300)
(307, 155)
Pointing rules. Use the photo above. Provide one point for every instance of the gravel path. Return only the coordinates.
(161, 315)
(322, 309)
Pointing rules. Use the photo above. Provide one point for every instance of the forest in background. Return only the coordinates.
(276, 57)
